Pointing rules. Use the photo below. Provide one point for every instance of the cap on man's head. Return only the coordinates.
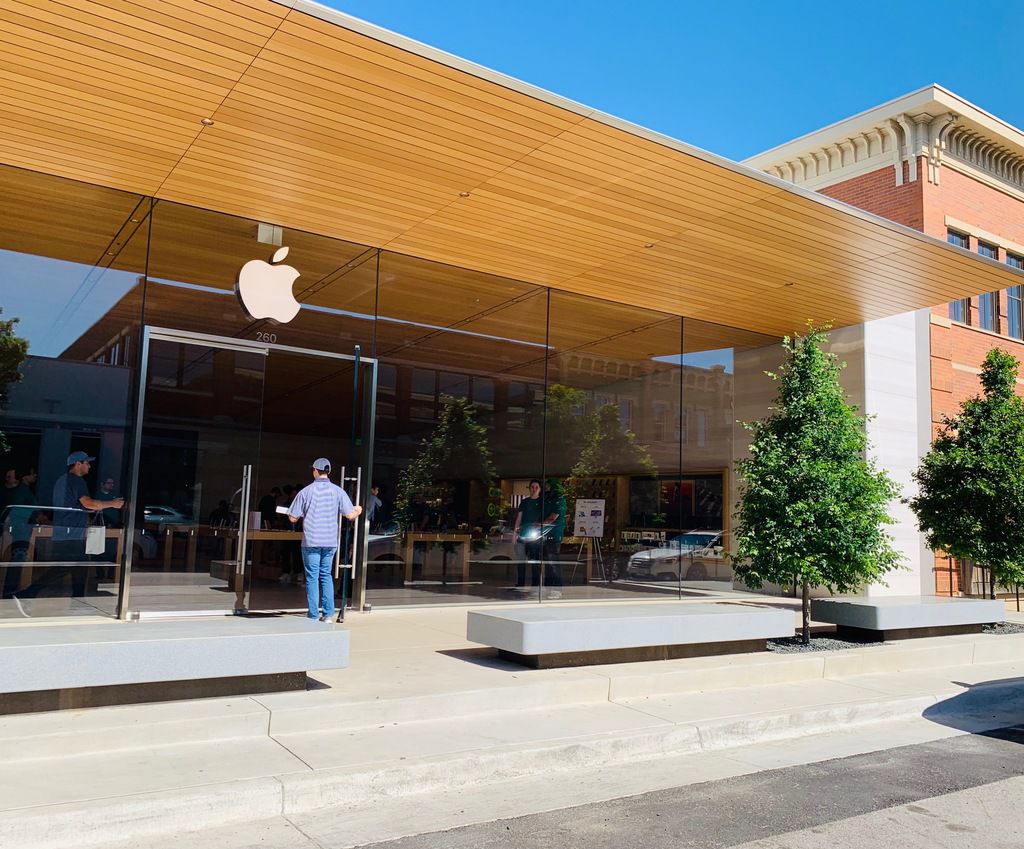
(322, 464)
(79, 457)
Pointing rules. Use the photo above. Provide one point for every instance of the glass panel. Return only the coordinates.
(459, 430)
(196, 259)
(201, 420)
(614, 389)
(307, 414)
(988, 311)
(723, 383)
(71, 260)
(959, 310)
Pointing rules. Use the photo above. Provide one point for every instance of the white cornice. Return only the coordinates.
(932, 123)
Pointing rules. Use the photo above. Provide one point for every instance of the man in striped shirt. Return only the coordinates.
(319, 505)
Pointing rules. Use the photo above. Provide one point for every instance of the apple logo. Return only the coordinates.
(265, 289)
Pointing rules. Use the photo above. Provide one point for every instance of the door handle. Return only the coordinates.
(338, 565)
(243, 520)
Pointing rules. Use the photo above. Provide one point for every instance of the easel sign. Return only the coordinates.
(589, 518)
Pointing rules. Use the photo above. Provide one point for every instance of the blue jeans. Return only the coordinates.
(319, 562)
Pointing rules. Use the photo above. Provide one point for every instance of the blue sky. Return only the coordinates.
(732, 78)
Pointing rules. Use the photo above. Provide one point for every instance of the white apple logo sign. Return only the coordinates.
(265, 290)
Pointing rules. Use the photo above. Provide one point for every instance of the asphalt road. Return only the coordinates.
(965, 792)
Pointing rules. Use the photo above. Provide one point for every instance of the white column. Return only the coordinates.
(897, 395)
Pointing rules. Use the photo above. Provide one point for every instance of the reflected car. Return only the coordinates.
(160, 514)
(697, 555)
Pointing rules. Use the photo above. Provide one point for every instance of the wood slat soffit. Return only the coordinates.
(326, 125)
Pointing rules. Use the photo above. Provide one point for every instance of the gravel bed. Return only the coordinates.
(1004, 628)
(794, 645)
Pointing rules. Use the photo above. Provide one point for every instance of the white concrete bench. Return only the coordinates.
(46, 666)
(545, 636)
(904, 617)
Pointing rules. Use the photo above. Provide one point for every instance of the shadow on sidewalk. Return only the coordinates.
(991, 708)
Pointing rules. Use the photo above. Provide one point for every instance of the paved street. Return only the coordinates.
(961, 792)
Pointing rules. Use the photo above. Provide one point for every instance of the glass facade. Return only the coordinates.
(521, 442)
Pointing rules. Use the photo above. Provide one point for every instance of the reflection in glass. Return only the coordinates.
(71, 260)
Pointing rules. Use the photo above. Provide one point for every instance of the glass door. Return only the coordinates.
(314, 405)
(197, 445)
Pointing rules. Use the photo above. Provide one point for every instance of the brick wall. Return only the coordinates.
(877, 192)
(956, 351)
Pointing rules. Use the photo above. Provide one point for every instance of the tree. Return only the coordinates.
(812, 508)
(456, 450)
(608, 443)
(970, 500)
(13, 350)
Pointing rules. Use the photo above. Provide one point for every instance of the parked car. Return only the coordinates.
(161, 514)
(697, 555)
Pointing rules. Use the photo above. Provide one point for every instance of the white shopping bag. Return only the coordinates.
(95, 539)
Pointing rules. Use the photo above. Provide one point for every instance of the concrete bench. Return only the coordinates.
(47, 667)
(546, 636)
(905, 617)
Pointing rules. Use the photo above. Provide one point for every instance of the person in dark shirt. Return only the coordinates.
(69, 527)
(528, 532)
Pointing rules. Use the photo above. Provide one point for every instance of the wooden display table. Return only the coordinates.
(413, 537)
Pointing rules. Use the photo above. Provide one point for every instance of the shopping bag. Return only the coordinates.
(95, 539)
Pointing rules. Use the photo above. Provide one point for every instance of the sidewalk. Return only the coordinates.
(422, 713)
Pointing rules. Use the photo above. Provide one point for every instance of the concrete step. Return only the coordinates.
(369, 703)
(91, 800)
(60, 734)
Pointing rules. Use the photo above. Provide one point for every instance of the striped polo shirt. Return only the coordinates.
(320, 504)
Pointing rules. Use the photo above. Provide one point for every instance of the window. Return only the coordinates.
(959, 310)
(1014, 299)
(988, 302)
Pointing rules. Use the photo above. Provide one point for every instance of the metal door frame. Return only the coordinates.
(150, 333)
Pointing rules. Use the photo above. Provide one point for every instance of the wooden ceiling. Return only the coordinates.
(327, 125)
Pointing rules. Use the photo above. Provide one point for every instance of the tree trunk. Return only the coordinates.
(807, 613)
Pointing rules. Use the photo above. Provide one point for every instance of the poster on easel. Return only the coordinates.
(589, 518)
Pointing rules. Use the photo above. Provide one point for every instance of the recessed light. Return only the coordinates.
(789, 284)
(207, 122)
(463, 194)
(134, 220)
(649, 245)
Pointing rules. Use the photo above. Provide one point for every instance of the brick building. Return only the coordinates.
(932, 161)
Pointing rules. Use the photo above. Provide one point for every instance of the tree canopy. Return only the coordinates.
(13, 350)
(812, 508)
(456, 450)
(970, 500)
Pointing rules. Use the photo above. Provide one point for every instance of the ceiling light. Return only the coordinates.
(207, 122)
(649, 245)
(463, 194)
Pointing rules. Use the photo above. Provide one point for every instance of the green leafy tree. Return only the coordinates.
(456, 450)
(812, 508)
(608, 444)
(13, 350)
(568, 426)
(970, 500)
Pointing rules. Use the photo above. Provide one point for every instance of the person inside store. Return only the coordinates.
(319, 505)
(71, 493)
(528, 535)
(539, 528)
(374, 507)
(17, 511)
(221, 516)
(106, 492)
